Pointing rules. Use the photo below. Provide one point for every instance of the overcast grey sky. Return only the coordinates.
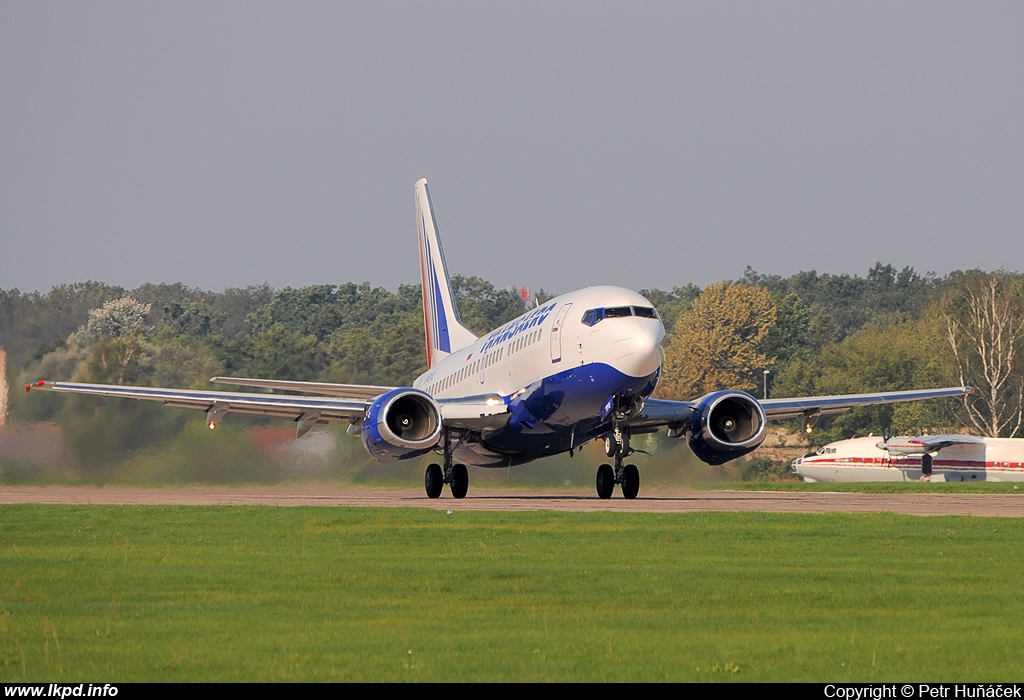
(566, 143)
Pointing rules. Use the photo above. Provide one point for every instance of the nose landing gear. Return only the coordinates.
(627, 475)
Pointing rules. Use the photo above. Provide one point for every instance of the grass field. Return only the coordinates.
(129, 593)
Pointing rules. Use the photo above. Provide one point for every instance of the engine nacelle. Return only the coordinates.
(726, 425)
(401, 424)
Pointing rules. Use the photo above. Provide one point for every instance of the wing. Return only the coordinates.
(777, 409)
(659, 413)
(926, 443)
(305, 410)
(474, 412)
(468, 413)
(348, 391)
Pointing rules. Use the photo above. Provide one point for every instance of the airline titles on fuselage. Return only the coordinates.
(530, 320)
(493, 349)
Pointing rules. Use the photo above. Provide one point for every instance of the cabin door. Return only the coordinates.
(556, 334)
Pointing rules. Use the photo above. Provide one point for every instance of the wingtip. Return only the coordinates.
(38, 384)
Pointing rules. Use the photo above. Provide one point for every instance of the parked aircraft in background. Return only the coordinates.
(928, 457)
(577, 368)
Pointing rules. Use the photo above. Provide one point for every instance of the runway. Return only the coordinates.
(654, 500)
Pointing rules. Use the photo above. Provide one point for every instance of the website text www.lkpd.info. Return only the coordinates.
(61, 690)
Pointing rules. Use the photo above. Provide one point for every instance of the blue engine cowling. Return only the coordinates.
(401, 424)
(726, 425)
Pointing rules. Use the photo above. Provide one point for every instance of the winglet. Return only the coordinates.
(444, 329)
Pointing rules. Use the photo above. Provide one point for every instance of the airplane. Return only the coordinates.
(924, 458)
(576, 368)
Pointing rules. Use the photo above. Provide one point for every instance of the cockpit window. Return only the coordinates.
(594, 316)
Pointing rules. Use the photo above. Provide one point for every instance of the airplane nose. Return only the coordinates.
(638, 349)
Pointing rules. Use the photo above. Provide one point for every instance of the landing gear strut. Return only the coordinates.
(926, 467)
(617, 445)
(456, 475)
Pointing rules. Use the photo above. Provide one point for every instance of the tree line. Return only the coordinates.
(814, 334)
(837, 334)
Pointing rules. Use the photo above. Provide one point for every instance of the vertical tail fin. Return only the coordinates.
(445, 332)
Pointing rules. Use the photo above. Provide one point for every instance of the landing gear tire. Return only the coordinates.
(605, 481)
(434, 480)
(460, 480)
(630, 481)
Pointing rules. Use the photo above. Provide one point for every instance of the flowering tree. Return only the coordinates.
(117, 318)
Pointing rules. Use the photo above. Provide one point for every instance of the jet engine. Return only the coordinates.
(726, 425)
(401, 424)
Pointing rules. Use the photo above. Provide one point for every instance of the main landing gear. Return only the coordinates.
(617, 445)
(454, 474)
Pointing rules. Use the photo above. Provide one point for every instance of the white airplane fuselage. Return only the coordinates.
(860, 459)
(560, 374)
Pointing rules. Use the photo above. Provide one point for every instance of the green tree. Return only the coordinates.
(909, 355)
(482, 307)
(788, 338)
(192, 318)
(100, 431)
(230, 309)
(32, 319)
(390, 353)
(308, 311)
(671, 304)
(277, 353)
(842, 304)
(718, 343)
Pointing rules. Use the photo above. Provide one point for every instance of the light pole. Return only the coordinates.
(766, 373)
